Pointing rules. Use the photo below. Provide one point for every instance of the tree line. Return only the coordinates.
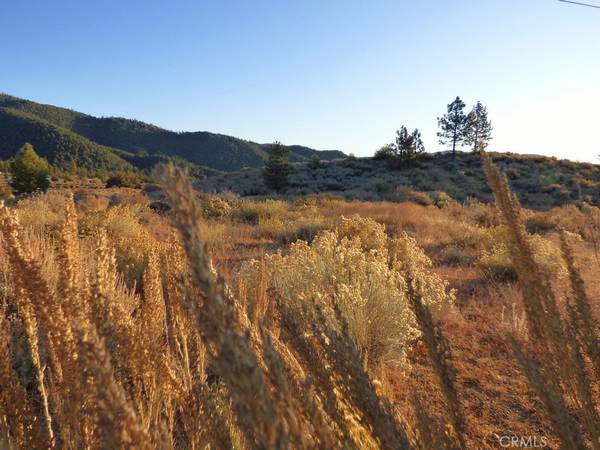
(455, 130)
(28, 172)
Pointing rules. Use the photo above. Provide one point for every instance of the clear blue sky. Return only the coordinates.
(341, 74)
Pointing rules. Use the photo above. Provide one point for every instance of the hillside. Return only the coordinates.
(104, 143)
(539, 181)
(59, 145)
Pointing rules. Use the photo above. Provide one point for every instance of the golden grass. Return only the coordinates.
(116, 331)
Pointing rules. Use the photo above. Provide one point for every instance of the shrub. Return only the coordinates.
(406, 194)
(6, 192)
(361, 270)
(420, 198)
(128, 235)
(215, 207)
(125, 179)
(539, 223)
(152, 189)
(370, 233)
(385, 153)
(253, 211)
(323, 200)
(441, 199)
(42, 212)
(455, 256)
(30, 172)
(383, 187)
(215, 236)
(287, 230)
(483, 214)
(470, 237)
(314, 162)
(497, 263)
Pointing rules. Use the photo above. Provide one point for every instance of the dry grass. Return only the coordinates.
(203, 328)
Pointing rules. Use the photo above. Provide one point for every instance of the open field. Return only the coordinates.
(310, 225)
(308, 323)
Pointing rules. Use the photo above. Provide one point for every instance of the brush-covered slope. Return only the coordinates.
(59, 145)
(139, 142)
(539, 181)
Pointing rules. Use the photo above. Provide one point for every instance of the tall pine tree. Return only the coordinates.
(479, 129)
(408, 146)
(277, 167)
(453, 125)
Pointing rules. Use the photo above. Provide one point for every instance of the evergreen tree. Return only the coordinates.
(30, 172)
(479, 129)
(453, 125)
(408, 146)
(277, 167)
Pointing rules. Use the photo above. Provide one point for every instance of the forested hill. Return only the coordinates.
(63, 135)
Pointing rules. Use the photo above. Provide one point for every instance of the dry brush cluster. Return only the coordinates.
(113, 338)
(561, 360)
(98, 355)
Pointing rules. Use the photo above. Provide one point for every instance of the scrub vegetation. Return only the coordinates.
(169, 317)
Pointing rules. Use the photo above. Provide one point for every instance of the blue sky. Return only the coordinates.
(341, 74)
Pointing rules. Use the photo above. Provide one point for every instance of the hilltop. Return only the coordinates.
(540, 182)
(112, 143)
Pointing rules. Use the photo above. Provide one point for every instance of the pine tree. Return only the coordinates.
(30, 172)
(408, 146)
(277, 167)
(453, 125)
(479, 129)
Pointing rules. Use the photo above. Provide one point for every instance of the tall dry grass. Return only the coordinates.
(113, 338)
(560, 359)
(96, 358)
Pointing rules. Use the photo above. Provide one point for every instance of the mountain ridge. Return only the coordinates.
(62, 134)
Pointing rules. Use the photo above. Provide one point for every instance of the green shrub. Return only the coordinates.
(314, 162)
(30, 172)
(385, 153)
